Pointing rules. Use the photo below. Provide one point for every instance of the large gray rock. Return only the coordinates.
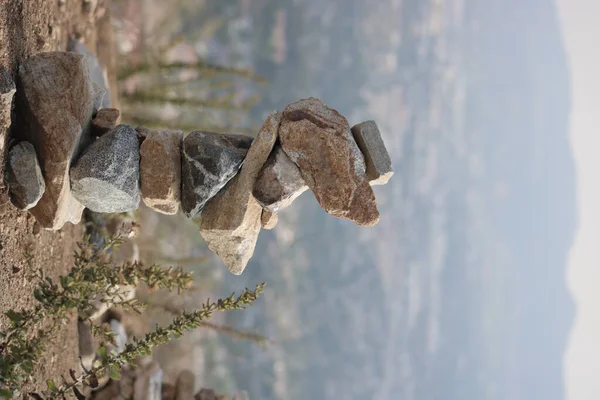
(55, 100)
(378, 161)
(24, 176)
(7, 91)
(231, 222)
(318, 139)
(279, 182)
(209, 160)
(106, 177)
(98, 73)
(160, 170)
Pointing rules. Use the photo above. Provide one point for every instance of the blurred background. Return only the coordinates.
(460, 292)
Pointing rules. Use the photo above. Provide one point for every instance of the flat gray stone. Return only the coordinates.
(209, 160)
(106, 177)
(24, 176)
(378, 161)
(279, 182)
(98, 74)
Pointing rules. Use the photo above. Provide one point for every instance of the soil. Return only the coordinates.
(28, 27)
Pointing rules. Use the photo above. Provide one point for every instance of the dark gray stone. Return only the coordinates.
(106, 177)
(279, 182)
(209, 160)
(24, 176)
(377, 159)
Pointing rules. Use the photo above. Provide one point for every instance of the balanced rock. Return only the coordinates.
(7, 91)
(209, 160)
(318, 139)
(185, 385)
(56, 105)
(378, 161)
(160, 170)
(230, 222)
(106, 177)
(24, 176)
(105, 121)
(279, 182)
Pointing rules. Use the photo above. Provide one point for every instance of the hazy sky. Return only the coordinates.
(582, 34)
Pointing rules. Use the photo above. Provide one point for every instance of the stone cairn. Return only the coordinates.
(71, 154)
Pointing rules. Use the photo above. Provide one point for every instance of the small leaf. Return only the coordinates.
(13, 315)
(102, 352)
(114, 374)
(51, 385)
(6, 394)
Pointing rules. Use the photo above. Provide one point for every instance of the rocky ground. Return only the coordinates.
(28, 27)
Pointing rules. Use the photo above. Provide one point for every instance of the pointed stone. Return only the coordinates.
(268, 219)
(56, 104)
(106, 177)
(160, 170)
(97, 73)
(209, 160)
(24, 176)
(378, 161)
(318, 139)
(230, 222)
(105, 121)
(279, 182)
(7, 91)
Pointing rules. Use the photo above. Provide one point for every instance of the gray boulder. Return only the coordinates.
(209, 160)
(106, 177)
(24, 176)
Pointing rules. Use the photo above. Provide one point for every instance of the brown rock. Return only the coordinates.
(279, 182)
(318, 139)
(160, 170)
(269, 219)
(105, 121)
(230, 222)
(184, 387)
(7, 91)
(56, 105)
(378, 161)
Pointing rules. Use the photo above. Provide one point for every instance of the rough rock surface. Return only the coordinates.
(160, 170)
(279, 182)
(209, 160)
(97, 73)
(24, 176)
(378, 161)
(318, 139)
(269, 219)
(105, 121)
(106, 177)
(185, 385)
(7, 91)
(55, 104)
(230, 222)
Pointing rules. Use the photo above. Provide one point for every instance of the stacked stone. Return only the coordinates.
(234, 183)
